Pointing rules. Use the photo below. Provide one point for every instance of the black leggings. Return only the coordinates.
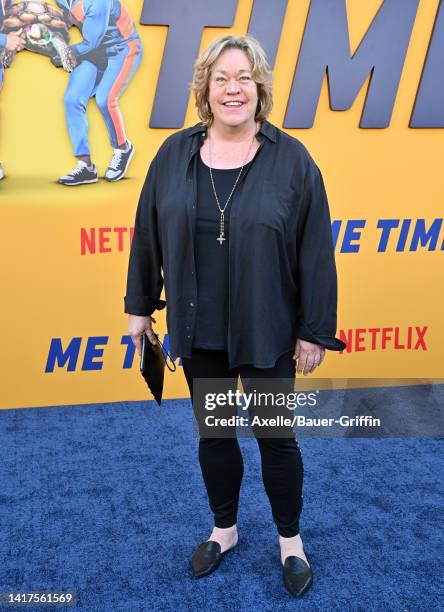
(221, 459)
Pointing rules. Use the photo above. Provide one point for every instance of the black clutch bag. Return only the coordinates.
(152, 366)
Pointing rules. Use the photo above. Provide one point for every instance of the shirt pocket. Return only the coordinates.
(276, 206)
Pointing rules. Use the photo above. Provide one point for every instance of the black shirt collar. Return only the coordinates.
(267, 129)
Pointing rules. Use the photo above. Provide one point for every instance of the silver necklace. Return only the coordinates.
(221, 236)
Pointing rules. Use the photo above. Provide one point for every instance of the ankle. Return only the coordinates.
(290, 540)
(226, 537)
(225, 530)
(292, 547)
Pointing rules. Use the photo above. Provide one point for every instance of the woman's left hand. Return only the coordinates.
(308, 356)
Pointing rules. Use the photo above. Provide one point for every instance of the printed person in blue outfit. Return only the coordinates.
(108, 56)
(11, 41)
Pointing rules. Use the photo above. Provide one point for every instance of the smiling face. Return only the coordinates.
(232, 92)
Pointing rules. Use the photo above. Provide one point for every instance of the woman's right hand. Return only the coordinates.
(137, 327)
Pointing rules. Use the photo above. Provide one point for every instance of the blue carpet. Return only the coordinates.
(108, 501)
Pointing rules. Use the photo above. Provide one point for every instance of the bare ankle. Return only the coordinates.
(290, 539)
(292, 546)
(226, 537)
(225, 530)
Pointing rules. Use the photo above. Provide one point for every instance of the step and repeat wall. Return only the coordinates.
(359, 83)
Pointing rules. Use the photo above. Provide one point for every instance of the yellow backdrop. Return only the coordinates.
(52, 290)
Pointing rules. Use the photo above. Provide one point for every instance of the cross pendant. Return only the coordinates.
(221, 238)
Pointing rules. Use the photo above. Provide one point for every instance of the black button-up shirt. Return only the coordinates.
(282, 274)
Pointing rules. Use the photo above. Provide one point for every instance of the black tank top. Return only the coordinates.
(212, 257)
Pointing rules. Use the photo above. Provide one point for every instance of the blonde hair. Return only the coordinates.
(261, 73)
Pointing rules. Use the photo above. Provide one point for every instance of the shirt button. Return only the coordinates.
(192, 304)
(188, 337)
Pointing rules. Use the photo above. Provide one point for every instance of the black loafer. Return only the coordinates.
(298, 576)
(207, 558)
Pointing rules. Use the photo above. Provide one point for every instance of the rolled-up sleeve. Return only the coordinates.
(317, 279)
(145, 281)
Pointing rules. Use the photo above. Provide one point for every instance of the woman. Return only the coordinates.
(234, 212)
